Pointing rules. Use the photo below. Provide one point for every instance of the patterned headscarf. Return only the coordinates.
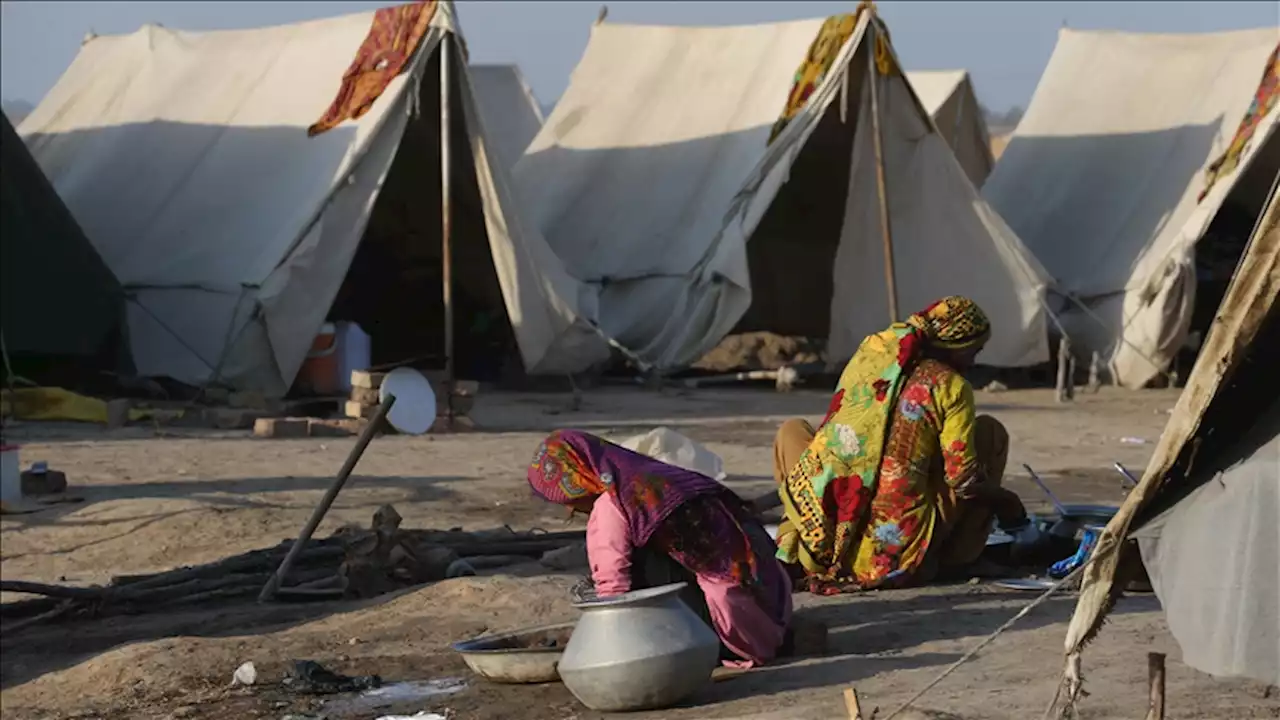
(954, 322)
(572, 468)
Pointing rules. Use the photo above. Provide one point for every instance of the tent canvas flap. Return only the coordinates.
(186, 159)
(509, 113)
(1102, 177)
(655, 169)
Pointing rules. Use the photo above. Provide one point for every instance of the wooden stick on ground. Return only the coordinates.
(58, 591)
(1155, 673)
(20, 624)
(851, 704)
(366, 435)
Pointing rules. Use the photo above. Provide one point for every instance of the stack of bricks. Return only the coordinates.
(365, 398)
(363, 404)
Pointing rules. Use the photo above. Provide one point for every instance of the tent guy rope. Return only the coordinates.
(1000, 630)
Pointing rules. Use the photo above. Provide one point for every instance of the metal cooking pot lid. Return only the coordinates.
(415, 410)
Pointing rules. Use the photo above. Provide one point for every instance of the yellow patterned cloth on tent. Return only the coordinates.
(1264, 100)
(832, 492)
(832, 36)
(835, 32)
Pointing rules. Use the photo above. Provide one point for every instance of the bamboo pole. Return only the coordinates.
(881, 184)
(446, 211)
(277, 579)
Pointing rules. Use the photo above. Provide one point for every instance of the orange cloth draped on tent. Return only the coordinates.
(1263, 102)
(384, 54)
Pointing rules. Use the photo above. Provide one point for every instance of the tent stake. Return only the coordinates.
(446, 244)
(878, 141)
(1155, 673)
(357, 451)
(1066, 378)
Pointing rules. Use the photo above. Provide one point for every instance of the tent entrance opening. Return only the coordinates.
(394, 288)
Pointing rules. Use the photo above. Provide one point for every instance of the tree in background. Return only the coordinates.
(1006, 120)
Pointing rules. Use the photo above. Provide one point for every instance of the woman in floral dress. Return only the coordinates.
(902, 477)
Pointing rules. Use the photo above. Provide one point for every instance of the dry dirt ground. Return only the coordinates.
(154, 503)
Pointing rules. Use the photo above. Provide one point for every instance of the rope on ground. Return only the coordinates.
(1000, 630)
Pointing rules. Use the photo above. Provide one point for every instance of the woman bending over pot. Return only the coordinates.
(652, 524)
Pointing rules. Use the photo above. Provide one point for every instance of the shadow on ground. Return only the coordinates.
(225, 495)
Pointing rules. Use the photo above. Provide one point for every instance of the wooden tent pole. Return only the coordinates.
(878, 140)
(446, 207)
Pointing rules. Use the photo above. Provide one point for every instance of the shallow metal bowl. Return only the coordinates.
(524, 656)
(1079, 517)
(1091, 514)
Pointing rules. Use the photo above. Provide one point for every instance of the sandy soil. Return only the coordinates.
(154, 503)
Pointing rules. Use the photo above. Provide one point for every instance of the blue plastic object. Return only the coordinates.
(1063, 568)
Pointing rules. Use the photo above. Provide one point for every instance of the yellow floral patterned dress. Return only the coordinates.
(860, 509)
(933, 425)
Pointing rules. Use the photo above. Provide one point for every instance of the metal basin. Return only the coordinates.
(523, 656)
(1091, 514)
(642, 650)
(1079, 517)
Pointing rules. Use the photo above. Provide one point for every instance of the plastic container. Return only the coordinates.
(319, 372)
(355, 352)
(10, 474)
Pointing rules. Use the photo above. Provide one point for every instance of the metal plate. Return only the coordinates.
(1025, 584)
(415, 408)
(999, 538)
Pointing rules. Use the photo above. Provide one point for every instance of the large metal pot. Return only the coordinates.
(641, 650)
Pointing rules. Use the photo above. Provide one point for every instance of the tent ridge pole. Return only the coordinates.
(878, 141)
(446, 244)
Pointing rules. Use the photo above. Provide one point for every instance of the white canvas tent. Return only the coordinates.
(655, 182)
(1101, 179)
(185, 158)
(1206, 514)
(508, 110)
(948, 97)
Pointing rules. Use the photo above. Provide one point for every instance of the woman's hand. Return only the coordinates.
(975, 487)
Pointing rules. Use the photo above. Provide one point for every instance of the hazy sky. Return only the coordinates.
(1004, 45)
